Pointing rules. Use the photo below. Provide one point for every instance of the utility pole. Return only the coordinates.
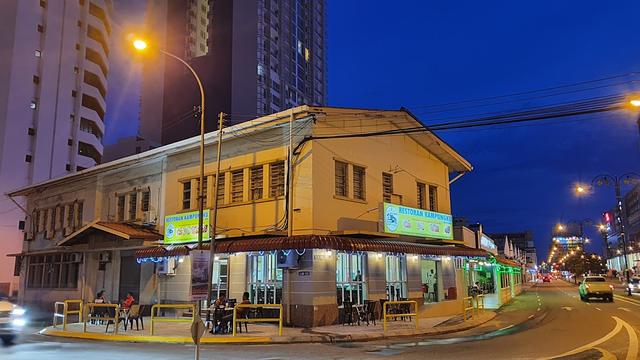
(214, 220)
(289, 214)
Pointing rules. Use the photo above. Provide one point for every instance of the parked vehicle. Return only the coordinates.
(634, 284)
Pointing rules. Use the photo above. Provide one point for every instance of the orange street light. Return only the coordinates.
(634, 102)
(140, 44)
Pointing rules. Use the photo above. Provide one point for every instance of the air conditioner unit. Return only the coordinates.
(167, 266)
(104, 257)
(288, 261)
(148, 217)
(75, 257)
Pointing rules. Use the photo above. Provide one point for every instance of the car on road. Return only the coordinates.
(547, 278)
(12, 321)
(634, 284)
(595, 287)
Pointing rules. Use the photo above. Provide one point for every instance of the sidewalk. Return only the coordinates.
(268, 333)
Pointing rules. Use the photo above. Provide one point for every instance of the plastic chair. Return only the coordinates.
(135, 314)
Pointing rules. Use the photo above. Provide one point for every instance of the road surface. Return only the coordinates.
(547, 321)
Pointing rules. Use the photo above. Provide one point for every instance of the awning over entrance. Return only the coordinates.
(300, 242)
(125, 231)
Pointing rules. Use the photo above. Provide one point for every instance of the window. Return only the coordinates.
(396, 276)
(70, 142)
(387, 187)
(40, 28)
(342, 188)
(448, 277)
(276, 179)
(74, 93)
(31, 131)
(120, 208)
(52, 272)
(264, 279)
(433, 198)
(33, 105)
(220, 189)
(350, 278)
(79, 211)
(38, 53)
(146, 197)
(36, 79)
(28, 158)
(43, 3)
(256, 183)
(186, 195)
(133, 206)
(204, 190)
(69, 219)
(358, 182)
(40, 220)
(422, 201)
(55, 214)
(67, 167)
(237, 191)
(76, 70)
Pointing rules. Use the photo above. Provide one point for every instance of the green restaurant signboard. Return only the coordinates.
(410, 221)
(183, 228)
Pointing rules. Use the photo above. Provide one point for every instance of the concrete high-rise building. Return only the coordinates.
(254, 58)
(53, 70)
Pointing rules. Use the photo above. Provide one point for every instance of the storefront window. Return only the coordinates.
(429, 275)
(265, 279)
(220, 277)
(483, 275)
(53, 272)
(396, 275)
(350, 278)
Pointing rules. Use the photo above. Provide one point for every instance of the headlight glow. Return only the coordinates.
(18, 311)
(19, 322)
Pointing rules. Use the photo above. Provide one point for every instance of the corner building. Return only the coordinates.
(371, 219)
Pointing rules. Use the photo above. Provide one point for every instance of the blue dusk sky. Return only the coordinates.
(418, 54)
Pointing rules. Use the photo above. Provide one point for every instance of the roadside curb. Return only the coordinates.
(296, 339)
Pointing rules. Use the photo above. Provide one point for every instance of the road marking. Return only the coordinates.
(594, 343)
(618, 297)
(506, 327)
(531, 316)
(624, 309)
(538, 309)
(632, 353)
(588, 303)
(598, 309)
(568, 308)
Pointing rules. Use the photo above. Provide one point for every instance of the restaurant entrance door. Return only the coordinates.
(129, 278)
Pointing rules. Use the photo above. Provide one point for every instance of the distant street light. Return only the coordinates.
(634, 102)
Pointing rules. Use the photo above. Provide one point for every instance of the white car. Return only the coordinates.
(12, 321)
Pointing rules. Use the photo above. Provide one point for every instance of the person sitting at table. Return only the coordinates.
(99, 311)
(221, 300)
(128, 301)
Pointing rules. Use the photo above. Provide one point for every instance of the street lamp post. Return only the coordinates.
(621, 219)
(141, 45)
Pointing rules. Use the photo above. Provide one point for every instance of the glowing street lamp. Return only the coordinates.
(140, 44)
(634, 102)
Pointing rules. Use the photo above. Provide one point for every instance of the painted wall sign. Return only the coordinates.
(405, 220)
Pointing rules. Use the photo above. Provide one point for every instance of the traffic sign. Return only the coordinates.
(197, 330)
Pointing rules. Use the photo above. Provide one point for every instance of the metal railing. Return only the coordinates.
(66, 312)
(114, 318)
(385, 316)
(155, 318)
(247, 320)
(479, 303)
(467, 307)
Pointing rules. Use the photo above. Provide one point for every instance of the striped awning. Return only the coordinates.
(300, 242)
(159, 251)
